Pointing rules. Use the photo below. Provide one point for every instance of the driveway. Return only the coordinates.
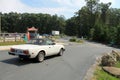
(73, 65)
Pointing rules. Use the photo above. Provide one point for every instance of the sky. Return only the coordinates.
(59, 7)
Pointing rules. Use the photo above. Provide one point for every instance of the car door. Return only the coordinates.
(51, 47)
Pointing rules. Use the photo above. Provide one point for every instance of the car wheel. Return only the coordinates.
(40, 57)
(61, 52)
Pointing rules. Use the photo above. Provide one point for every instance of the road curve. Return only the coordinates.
(73, 65)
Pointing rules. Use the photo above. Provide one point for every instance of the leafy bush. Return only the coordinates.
(73, 40)
(107, 60)
(80, 41)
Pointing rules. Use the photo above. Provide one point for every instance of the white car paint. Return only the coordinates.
(35, 49)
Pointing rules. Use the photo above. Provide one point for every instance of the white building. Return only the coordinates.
(55, 33)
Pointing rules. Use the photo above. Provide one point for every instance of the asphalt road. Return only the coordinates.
(73, 65)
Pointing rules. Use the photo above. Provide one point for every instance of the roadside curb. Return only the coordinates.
(91, 70)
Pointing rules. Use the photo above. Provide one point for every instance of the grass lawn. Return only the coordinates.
(117, 64)
(11, 43)
(74, 39)
(100, 74)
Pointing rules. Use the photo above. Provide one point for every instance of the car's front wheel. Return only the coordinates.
(61, 52)
(40, 57)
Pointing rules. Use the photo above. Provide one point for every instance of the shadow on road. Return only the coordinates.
(51, 57)
(18, 62)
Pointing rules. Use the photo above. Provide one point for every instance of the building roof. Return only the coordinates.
(32, 29)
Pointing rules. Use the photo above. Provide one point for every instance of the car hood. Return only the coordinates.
(25, 46)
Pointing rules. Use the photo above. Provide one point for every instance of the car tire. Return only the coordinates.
(61, 52)
(40, 57)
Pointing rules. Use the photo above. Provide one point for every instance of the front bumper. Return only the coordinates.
(21, 56)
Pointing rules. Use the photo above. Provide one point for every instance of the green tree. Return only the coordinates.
(104, 10)
(71, 28)
(118, 35)
(16, 22)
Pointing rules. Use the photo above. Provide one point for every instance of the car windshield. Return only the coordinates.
(36, 41)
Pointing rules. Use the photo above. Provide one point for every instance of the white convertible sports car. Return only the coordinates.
(38, 49)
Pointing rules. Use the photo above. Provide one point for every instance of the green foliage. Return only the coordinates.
(102, 75)
(112, 59)
(117, 64)
(118, 35)
(80, 41)
(97, 22)
(11, 43)
(15, 22)
(92, 31)
(73, 39)
(56, 37)
(71, 28)
(101, 33)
